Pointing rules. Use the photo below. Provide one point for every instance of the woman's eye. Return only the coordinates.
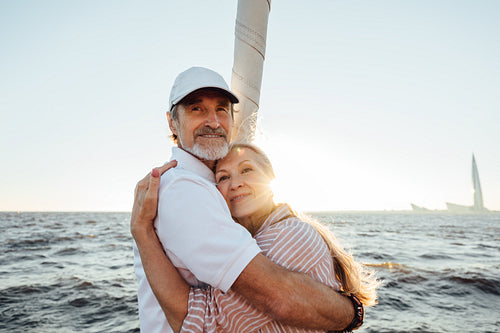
(222, 178)
(246, 170)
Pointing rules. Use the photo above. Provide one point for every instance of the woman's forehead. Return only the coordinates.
(235, 156)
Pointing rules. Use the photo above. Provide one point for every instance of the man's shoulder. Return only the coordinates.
(179, 176)
(181, 188)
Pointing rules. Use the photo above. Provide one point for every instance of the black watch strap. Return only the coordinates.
(359, 313)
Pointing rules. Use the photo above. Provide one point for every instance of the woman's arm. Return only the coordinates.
(168, 286)
(159, 270)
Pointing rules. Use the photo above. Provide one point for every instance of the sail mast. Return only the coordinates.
(249, 53)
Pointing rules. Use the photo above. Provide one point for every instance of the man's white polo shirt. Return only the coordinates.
(198, 234)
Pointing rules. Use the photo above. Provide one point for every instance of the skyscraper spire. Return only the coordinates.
(476, 184)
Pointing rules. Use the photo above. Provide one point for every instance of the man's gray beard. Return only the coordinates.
(210, 152)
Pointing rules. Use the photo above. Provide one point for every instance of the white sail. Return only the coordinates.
(478, 194)
(249, 53)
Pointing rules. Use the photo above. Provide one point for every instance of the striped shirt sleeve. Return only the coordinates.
(210, 310)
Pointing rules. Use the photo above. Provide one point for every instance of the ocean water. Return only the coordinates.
(73, 272)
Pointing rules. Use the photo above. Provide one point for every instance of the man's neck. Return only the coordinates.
(209, 163)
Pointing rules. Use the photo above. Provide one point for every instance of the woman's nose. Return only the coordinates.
(236, 182)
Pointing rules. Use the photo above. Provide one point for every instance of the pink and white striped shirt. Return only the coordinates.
(287, 241)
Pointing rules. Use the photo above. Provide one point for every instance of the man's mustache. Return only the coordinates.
(208, 130)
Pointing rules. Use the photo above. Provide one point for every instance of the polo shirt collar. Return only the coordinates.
(188, 162)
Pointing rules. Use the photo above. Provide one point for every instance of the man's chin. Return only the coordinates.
(210, 152)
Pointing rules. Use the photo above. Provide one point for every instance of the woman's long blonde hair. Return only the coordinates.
(354, 277)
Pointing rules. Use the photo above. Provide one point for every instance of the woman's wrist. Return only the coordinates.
(143, 231)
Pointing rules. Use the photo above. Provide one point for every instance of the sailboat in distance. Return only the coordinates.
(478, 195)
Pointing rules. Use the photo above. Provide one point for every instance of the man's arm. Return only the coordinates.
(293, 298)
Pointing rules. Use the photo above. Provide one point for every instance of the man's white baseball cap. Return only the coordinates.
(198, 78)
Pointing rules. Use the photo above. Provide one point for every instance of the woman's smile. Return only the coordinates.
(240, 197)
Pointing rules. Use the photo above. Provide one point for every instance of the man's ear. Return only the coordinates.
(172, 124)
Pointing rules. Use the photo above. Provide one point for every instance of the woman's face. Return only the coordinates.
(244, 184)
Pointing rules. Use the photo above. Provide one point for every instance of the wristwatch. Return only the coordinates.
(359, 313)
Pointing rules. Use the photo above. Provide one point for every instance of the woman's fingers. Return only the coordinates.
(151, 199)
(146, 197)
(161, 170)
(145, 182)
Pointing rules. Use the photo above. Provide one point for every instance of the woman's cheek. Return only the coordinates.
(223, 190)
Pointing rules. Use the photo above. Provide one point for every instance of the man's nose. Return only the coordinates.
(212, 120)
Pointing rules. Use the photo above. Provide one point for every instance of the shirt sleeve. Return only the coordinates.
(195, 227)
(210, 310)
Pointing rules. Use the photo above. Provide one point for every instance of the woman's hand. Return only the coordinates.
(146, 199)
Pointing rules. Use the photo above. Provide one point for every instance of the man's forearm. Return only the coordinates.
(293, 298)
(315, 305)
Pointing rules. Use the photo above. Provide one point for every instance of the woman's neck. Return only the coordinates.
(254, 221)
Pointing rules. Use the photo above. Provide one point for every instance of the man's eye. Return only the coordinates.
(222, 109)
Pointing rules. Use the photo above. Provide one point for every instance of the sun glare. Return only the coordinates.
(286, 186)
(312, 176)
(279, 194)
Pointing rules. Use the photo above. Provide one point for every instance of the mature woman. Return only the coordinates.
(292, 241)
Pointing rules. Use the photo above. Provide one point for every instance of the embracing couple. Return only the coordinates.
(215, 253)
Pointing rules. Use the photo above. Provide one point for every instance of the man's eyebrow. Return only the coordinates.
(192, 101)
(223, 102)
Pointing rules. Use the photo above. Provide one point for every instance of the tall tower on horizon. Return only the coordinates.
(476, 185)
(478, 205)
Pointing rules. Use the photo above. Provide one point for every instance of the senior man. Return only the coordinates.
(198, 234)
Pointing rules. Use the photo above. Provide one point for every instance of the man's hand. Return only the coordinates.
(146, 199)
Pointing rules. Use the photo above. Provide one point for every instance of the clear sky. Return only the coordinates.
(365, 105)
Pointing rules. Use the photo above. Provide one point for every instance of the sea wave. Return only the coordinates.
(65, 272)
